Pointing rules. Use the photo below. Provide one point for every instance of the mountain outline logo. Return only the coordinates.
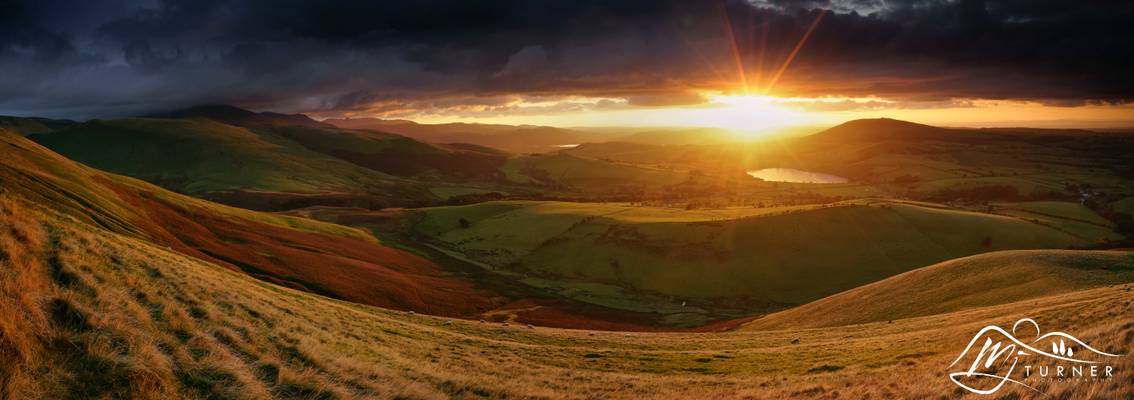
(999, 359)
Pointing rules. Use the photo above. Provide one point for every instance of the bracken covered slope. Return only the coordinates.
(304, 254)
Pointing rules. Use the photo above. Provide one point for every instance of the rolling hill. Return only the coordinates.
(881, 129)
(977, 281)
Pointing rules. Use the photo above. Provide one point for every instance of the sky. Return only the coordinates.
(737, 64)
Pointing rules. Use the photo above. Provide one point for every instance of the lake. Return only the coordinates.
(795, 176)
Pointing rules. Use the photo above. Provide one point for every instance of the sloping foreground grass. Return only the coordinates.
(975, 281)
(85, 313)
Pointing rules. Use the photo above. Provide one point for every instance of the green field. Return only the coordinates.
(1073, 218)
(624, 256)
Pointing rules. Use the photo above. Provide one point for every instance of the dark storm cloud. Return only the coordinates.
(103, 58)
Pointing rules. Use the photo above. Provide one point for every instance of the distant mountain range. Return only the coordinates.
(532, 138)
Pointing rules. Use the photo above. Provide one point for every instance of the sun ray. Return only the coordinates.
(735, 50)
(794, 51)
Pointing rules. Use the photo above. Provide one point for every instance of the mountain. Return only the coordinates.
(977, 281)
(240, 117)
(881, 129)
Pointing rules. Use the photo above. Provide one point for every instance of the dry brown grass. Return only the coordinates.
(22, 289)
(91, 314)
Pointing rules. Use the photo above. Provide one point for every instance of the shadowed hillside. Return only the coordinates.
(400, 155)
(29, 125)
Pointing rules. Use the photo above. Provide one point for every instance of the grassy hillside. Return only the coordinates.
(755, 259)
(199, 156)
(315, 256)
(90, 314)
(399, 155)
(976, 281)
(384, 152)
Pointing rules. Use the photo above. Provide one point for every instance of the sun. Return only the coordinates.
(751, 116)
